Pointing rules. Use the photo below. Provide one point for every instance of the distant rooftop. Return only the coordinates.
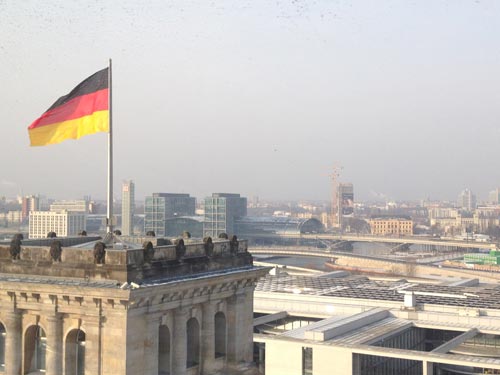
(364, 288)
(390, 217)
(171, 195)
(198, 218)
(225, 195)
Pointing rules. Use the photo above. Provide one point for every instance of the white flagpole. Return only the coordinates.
(109, 218)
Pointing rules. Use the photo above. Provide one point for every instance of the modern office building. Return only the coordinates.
(221, 211)
(176, 226)
(337, 324)
(149, 311)
(63, 223)
(467, 200)
(161, 206)
(344, 202)
(128, 207)
(346, 196)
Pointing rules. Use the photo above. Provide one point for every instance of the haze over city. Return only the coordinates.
(259, 97)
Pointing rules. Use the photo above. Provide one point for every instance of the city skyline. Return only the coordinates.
(402, 95)
(484, 198)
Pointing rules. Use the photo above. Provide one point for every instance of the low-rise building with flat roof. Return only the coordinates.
(356, 325)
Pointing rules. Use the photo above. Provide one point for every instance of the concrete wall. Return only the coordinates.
(332, 360)
(284, 358)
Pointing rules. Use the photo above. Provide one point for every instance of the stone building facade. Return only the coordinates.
(391, 226)
(157, 310)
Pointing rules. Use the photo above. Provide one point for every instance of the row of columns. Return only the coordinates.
(239, 343)
(239, 325)
(207, 337)
(54, 354)
(54, 345)
(13, 344)
(179, 342)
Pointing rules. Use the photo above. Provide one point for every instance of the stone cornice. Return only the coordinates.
(77, 300)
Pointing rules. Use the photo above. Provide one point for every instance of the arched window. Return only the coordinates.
(163, 350)
(220, 335)
(35, 345)
(2, 348)
(75, 352)
(193, 342)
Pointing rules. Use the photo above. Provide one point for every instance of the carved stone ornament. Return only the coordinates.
(56, 250)
(233, 245)
(15, 246)
(209, 246)
(148, 251)
(99, 253)
(180, 248)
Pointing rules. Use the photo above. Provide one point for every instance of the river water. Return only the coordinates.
(359, 248)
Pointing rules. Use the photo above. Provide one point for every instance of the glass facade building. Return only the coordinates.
(176, 226)
(161, 206)
(221, 211)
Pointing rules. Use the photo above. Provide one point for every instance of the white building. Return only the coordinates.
(63, 223)
(343, 325)
(128, 207)
(12, 217)
(71, 205)
(467, 200)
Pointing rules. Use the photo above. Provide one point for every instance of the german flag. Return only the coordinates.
(83, 111)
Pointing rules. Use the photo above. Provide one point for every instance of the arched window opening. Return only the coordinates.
(35, 347)
(164, 351)
(2, 348)
(75, 352)
(220, 335)
(193, 343)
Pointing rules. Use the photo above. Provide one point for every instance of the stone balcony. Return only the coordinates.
(129, 265)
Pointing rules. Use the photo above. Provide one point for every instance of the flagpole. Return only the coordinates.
(109, 218)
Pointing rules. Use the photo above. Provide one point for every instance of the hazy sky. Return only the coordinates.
(259, 97)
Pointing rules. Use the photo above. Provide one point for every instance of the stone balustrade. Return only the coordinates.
(125, 265)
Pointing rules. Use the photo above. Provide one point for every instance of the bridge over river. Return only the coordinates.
(426, 267)
(410, 240)
(306, 251)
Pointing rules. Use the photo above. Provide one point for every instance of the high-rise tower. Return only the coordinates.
(128, 207)
(467, 200)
